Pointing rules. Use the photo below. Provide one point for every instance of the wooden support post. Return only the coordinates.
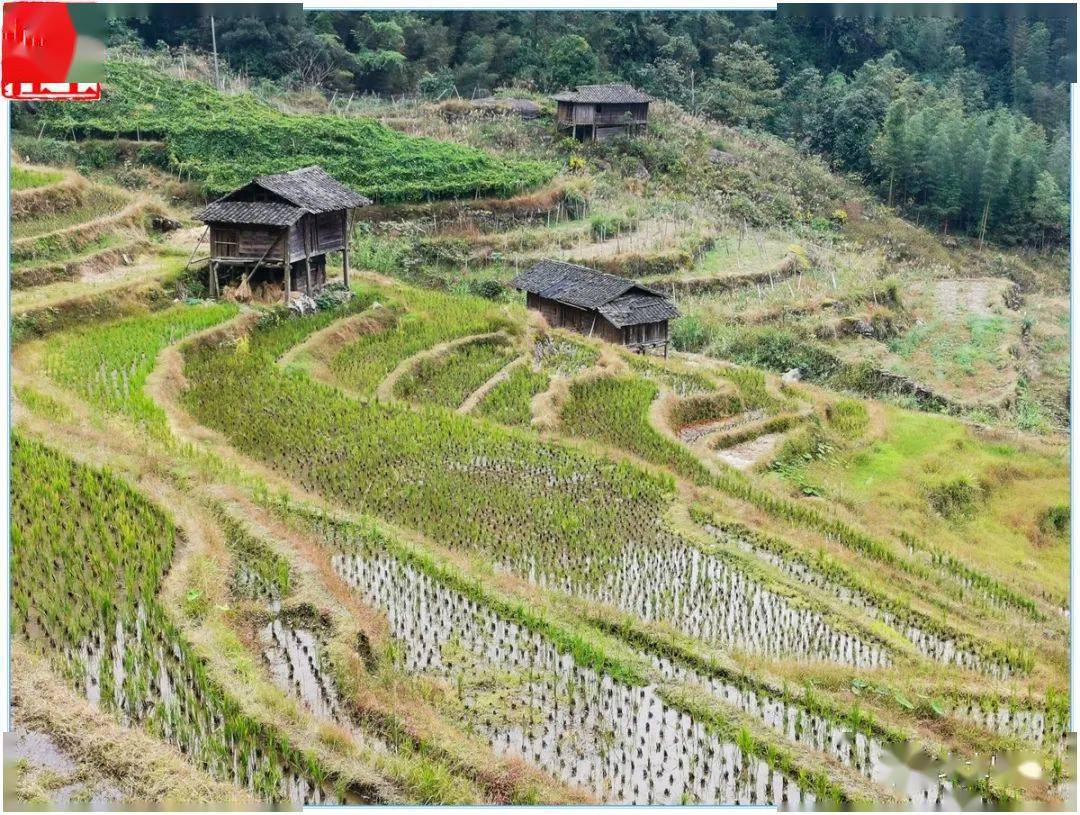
(307, 259)
(198, 243)
(286, 283)
(345, 251)
(212, 280)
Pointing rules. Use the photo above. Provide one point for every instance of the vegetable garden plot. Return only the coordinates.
(938, 646)
(448, 380)
(619, 742)
(225, 140)
(88, 557)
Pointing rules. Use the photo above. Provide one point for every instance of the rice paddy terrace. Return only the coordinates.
(419, 547)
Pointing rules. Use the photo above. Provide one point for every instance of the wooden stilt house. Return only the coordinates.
(599, 112)
(598, 304)
(283, 226)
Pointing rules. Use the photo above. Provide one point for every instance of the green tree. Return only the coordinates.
(571, 61)
(1049, 211)
(743, 88)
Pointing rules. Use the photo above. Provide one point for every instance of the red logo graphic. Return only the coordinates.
(39, 46)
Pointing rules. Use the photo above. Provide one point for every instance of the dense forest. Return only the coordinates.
(959, 119)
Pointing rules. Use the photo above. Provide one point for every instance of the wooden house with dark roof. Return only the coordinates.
(598, 112)
(598, 304)
(286, 222)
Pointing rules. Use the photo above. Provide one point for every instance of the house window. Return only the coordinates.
(596, 108)
(226, 243)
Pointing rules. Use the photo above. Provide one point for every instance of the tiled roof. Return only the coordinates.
(635, 308)
(268, 213)
(615, 94)
(313, 189)
(620, 300)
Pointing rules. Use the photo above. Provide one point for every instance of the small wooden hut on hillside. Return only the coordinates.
(286, 222)
(598, 304)
(598, 112)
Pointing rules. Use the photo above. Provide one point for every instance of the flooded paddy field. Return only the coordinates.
(619, 741)
(947, 649)
(119, 648)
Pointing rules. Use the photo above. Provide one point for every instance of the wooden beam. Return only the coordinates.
(198, 243)
(307, 262)
(213, 281)
(345, 247)
(287, 279)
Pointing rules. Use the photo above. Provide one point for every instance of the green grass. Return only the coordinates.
(510, 401)
(449, 379)
(923, 461)
(224, 141)
(25, 178)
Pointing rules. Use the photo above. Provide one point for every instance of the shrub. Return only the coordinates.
(848, 417)
(1055, 521)
(688, 333)
(488, 289)
(954, 497)
(808, 445)
(704, 408)
(607, 226)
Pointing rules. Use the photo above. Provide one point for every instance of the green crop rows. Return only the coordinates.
(108, 365)
(224, 141)
(88, 555)
(448, 380)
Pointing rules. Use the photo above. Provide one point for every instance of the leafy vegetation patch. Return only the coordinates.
(25, 178)
(224, 141)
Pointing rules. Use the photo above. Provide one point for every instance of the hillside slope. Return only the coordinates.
(224, 140)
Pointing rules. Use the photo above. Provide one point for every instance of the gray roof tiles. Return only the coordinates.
(618, 93)
(313, 189)
(267, 213)
(620, 300)
(637, 308)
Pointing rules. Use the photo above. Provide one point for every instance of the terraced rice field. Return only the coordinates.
(418, 548)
